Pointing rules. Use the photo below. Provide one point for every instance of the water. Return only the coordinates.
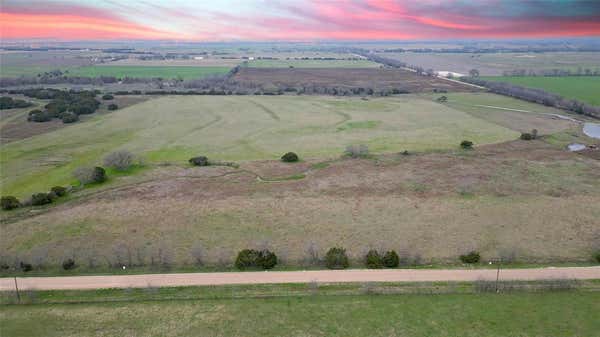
(592, 130)
(576, 147)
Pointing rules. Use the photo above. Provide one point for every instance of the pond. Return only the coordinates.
(592, 130)
(576, 147)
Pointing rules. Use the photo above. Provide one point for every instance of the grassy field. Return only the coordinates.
(166, 72)
(494, 64)
(520, 314)
(312, 64)
(581, 88)
(173, 129)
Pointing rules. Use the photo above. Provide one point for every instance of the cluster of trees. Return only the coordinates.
(37, 199)
(536, 95)
(7, 102)
(65, 105)
(553, 72)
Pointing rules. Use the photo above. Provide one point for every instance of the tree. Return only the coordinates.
(112, 107)
(466, 144)
(69, 117)
(88, 175)
(199, 161)
(373, 259)
(336, 258)
(39, 199)
(9, 202)
(391, 259)
(290, 157)
(474, 73)
(471, 257)
(120, 160)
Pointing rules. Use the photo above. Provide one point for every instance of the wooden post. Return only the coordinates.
(17, 289)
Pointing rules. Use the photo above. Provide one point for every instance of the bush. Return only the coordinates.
(373, 259)
(442, 99)
(466, 144)
(26, 266)
(119, 160)
(526, 136)
(597, 256)
(391, 259)
(471, 257)
(39, 199)
(289, 157)
(534, 133)
(69, 117)
(9, 202)
(251, 258)
(108, 97)
(38, 116)
(112, 107)
(59, 191)
(356, 151)
(336, 258)
(68, 264)
(199, 161)
(88, 175)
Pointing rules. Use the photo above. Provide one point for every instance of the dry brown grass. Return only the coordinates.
(525, 197)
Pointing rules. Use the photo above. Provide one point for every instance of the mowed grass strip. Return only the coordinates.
(582, 88)
(521, 314)
(173, 129)
(166, 72)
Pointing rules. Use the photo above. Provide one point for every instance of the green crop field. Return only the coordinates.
(173, 129)
(313, 64)
(166, 72)
(581, 88)
(554, 314)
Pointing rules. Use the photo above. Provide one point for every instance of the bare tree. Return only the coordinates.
(312, 253)
(198, 253)
(119, 160)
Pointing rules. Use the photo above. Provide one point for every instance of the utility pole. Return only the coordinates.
(17, 289)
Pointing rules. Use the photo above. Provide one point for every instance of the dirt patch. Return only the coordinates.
(347, 78)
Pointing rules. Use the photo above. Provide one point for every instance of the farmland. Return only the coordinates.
(494, 64)
(337, 63)
(333, 310)
(582, 88)
(350, 77)
(167, 72)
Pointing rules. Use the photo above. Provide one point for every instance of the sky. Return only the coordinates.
(296, 20)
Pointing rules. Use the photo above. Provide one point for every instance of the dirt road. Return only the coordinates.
(321, 276)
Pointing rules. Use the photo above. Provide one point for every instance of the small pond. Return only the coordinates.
(576, 147)
(592, 130)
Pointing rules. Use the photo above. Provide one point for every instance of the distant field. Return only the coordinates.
(241, 128)
(15, 64)
(557, 314)
(313, 64)
(493, 64)
(166, 72)
(582, 88)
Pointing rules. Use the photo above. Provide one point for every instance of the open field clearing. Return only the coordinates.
(15, 64)
(582, 88)
(173, 129)
(167, 72)
(349, 77)
(518, 314)
(313, 64)
(494, 64)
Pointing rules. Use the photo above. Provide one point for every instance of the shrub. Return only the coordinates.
(69, 117)
(108, 97)
(268, 259)
(356, 151)
(442, 99)
(336, 258)
(9, 202)
(526, 136)
(534, 133)
(59, 191)
(466, 144)
(68, 264)
(25, 266)
(38, 116)
(290, 157)
(112, 107)
(199, 161)
(471, 257)
(119, 160)
(391, 259)
(597, 256)
(373, 259)
(39, 199)
(87, 175)
(251, 258)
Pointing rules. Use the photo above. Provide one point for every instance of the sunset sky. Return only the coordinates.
(296, 20)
